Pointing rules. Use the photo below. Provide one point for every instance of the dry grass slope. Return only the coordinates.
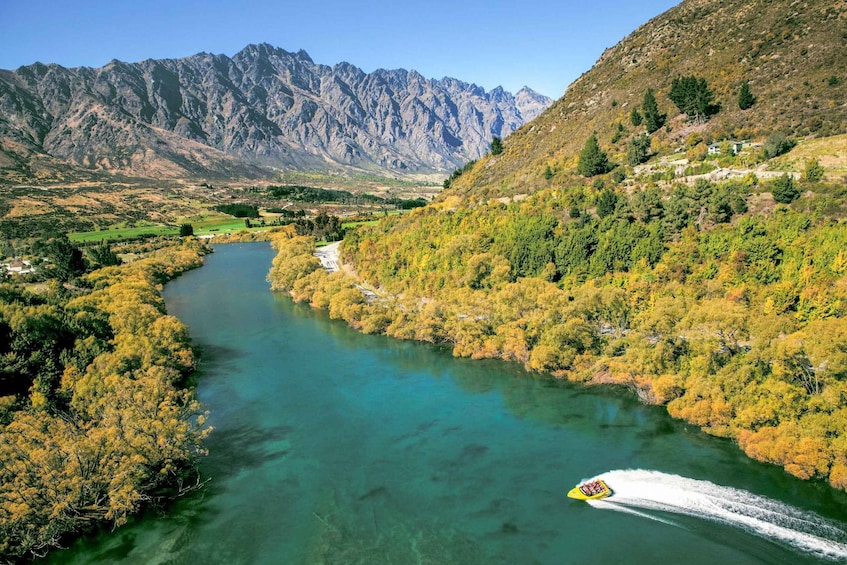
(793, 53)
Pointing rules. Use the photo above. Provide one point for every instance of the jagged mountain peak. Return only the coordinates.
(348, 68)
(528, 92)
(266, 50)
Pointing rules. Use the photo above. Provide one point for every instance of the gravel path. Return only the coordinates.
(328, 256)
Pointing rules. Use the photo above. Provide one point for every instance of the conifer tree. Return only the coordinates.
(66, 258)
(814, 171)
(653, 120)
(784, 190)
(607, 201)
(638, 149)
(592, 160)
(745, 97)
(635, 117)
(693, 98)
(496, 146)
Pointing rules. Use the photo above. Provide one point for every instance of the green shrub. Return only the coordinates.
(785, 190)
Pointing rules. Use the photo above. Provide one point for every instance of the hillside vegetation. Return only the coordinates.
(739, 328)
(793, 54)
(720, 294)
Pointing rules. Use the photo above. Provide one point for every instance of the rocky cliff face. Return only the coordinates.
(264, 107)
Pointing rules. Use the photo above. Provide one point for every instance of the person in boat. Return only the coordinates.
(594, 487)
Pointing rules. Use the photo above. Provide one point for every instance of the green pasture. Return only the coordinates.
(120, 232)
(203, 224)
(348, 225)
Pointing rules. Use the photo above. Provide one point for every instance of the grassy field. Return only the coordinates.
(348, 225)
(123, 232)
(204, 224)
(831, 153)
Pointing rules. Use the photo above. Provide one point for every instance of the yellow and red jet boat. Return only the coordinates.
(592, 490)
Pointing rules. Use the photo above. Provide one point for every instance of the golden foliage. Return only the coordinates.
(740, 329)
(117, 431)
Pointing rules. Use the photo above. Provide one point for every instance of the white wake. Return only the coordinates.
(652, 490)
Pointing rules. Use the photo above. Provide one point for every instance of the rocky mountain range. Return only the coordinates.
(260, 110)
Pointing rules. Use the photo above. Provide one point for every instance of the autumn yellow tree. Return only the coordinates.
(116, 428)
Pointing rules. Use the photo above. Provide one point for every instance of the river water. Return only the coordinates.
(336, 447)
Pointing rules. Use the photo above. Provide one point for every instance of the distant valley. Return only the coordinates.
(248, 116)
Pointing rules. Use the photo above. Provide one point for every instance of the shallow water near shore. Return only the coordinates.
(335, 447)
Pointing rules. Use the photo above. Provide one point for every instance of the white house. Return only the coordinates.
(18, 267)
(715, 148)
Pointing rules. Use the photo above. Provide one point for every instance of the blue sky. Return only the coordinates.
(544, 44)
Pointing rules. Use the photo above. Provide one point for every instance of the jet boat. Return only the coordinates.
(592, 490)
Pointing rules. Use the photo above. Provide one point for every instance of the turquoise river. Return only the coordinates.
(336, 447)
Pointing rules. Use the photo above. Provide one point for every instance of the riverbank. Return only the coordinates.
(119, 429)
(701, 356)
(331, 446)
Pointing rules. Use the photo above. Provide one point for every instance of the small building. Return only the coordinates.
(715, 148)
(18, 267)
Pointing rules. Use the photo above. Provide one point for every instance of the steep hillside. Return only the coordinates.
(216, 116)
(792, 53)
